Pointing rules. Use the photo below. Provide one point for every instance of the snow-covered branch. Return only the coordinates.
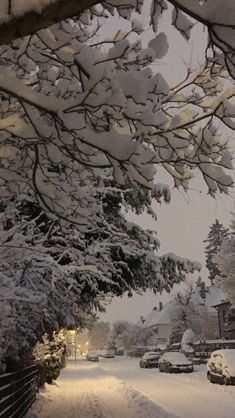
(70, 107)
(21, 18)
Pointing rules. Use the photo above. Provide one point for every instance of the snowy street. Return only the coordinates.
(115, 388)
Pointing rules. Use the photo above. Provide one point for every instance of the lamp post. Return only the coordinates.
(75, 342)
(75, 347)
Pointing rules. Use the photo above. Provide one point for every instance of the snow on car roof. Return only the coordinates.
(228, 354)
(175, 356)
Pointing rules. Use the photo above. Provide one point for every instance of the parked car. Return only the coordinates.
(221, 367)
(92, 356)
(109, 354)
(106, 353)
(174, 362)
(150, 359)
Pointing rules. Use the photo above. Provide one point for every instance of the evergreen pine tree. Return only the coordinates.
(217, 234)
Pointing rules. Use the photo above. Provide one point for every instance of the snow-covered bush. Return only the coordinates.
(188, 338)
(50, 356)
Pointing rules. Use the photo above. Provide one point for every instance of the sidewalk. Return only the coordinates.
(88, 391)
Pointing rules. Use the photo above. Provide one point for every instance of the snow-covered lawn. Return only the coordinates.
(118, 388)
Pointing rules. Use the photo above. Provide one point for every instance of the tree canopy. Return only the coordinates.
(85, 124)
(25, 18)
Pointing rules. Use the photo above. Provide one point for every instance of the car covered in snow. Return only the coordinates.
(150, 359)
(92, 356)
(221, 366)
(174, 362)
(107, 353)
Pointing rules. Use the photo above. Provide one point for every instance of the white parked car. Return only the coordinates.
(106, 353)
(221, 366)
(92, 356)
(174, 362)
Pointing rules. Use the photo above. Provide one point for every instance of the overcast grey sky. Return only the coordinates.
(184, 223)
(181, 227)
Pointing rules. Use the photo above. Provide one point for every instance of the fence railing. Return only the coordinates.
(18, 391)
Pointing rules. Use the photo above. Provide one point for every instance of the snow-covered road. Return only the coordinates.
(186, 395)
(118, 388)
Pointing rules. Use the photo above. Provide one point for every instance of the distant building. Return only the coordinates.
(226, 319)
(160, 320)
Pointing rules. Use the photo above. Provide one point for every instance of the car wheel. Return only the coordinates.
(226, 380)
(210, 378)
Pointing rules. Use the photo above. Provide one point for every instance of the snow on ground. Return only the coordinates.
(86, 390)
(186, 395)
(118, 388)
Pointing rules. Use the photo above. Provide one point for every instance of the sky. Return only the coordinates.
(183, 224)
(181, 228)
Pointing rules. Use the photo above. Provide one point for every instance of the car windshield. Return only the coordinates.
(92, 353)
(175, 357)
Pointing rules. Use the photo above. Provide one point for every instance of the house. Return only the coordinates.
(161, 319)
(226, 319)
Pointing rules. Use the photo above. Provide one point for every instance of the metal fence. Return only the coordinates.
(18, 391)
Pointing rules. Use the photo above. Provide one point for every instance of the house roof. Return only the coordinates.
(213, 296)
(163, 317)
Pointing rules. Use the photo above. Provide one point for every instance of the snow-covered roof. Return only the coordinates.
(161, 317)
(213, 296)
